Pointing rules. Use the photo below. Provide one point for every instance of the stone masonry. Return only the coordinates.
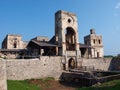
(44, 67)
(95, 41)
(3, 83)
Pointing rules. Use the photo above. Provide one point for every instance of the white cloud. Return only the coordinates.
(117, 6)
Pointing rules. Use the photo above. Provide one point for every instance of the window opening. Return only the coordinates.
(15, 44)
(94, 41)
(69, 20)
(99, 42)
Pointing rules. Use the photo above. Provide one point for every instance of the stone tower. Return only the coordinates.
(95, 41)
(66, 36)
(12, 41)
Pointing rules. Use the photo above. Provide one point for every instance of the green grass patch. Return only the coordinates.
(21, 85)
(111, 85)
(32, 84)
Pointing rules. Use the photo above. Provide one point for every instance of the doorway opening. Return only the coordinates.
(71, 63)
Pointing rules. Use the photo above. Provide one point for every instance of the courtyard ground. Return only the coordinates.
(51, 84)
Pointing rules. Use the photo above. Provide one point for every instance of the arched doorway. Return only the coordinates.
(71, 63)
(70, 39)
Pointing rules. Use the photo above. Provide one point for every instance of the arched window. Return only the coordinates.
(70, 38)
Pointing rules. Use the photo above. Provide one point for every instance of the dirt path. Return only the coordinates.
(53, 85)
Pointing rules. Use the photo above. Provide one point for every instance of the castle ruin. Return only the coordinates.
(43, 57)
(64, 43)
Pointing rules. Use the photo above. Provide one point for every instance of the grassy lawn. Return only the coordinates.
(39, 84)
(32, 84)
(21, 85)
(111, 85)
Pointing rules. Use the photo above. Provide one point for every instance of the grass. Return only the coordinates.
(111, 85)
(21, 85)
(27, 84)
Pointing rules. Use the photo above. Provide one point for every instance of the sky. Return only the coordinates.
(31, 18)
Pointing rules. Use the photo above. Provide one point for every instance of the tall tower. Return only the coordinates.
(66, 35)
(95, 41)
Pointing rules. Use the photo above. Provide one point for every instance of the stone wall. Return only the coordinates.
(3, 83)
(115, 64)
(44, 67)
(28, 69)
(100, 64)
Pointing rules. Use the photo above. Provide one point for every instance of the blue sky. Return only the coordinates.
(31, 18)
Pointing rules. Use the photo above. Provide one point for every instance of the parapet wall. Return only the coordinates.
(28, 69)
(100, 64)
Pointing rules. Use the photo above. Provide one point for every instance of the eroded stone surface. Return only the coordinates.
(3, 83)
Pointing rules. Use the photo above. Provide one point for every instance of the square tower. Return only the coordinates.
(12, 41)
(95, 41)
(66, 35)
(66, 32)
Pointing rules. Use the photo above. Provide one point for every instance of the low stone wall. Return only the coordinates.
(46, 67)
(115, 64)
(28, 69)
(100, 64)
(3, 83)
(20, 69)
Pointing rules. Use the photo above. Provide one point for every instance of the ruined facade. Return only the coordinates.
(12, 42)
(64, 43)
(66, 36)
(13, 46)
(95, 41)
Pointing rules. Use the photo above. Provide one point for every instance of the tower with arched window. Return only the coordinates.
(66, 35)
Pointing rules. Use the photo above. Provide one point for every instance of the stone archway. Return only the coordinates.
(71, 63)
